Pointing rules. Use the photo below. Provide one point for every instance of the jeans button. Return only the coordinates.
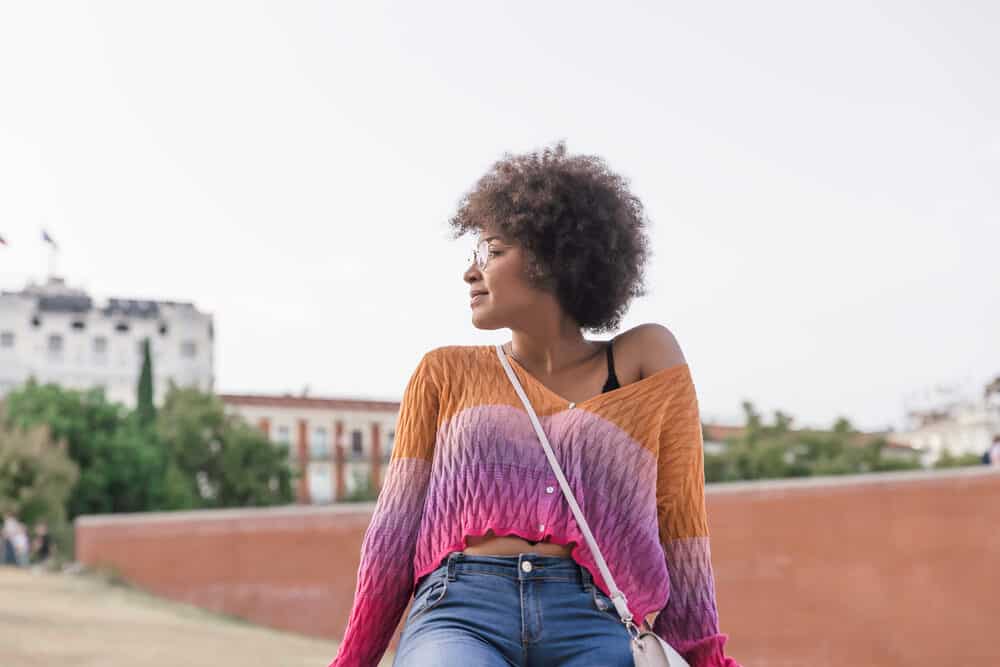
(526, 566)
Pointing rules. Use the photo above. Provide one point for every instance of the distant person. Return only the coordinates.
(471, 520)
(22, 546)
(42, 545)
(11, 527)
(995, 451)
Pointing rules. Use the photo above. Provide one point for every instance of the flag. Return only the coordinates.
(48, 239)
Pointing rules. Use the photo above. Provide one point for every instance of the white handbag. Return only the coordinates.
(648, 649)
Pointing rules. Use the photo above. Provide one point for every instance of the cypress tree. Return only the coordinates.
(145, 410)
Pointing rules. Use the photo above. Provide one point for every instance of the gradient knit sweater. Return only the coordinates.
(466, 460)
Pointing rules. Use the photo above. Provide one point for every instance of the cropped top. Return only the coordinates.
(466, 460)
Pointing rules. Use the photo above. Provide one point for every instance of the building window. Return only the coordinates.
(78, 325)
(356, 446)
(283, 437)
(6, 339)
(55, 346)
(101, 346)
(189, 349)
(163, 328)
(122, 327)
(319, 445)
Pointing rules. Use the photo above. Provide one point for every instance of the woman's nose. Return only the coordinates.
(472, 274)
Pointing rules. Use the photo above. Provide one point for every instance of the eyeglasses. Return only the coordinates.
(481, 254)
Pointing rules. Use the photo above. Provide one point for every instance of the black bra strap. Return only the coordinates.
(612, 382)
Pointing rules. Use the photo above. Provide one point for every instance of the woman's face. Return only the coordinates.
(501, 295)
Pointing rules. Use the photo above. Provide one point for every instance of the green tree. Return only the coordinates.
(145, 410)
(769, 451)
(949, 460)
(121, 466)
(36, 475)
(218, 460)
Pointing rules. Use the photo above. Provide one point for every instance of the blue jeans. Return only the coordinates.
(526, 610)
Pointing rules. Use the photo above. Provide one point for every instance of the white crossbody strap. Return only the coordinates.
(617, 597)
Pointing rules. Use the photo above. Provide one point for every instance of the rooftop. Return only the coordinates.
(55, 296)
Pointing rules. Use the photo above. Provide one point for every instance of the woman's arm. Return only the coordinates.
(385, 575)
(690, 620)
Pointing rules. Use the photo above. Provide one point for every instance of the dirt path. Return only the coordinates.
(60, 619)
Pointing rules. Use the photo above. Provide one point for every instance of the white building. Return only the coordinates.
(58, 334)
(336, 445)
(967, 427)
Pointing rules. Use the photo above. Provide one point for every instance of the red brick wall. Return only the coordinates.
(887, 570)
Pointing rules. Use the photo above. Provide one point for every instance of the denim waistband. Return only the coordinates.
(527, 566)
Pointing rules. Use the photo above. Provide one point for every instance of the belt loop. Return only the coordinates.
(452, 557)
(588, 580)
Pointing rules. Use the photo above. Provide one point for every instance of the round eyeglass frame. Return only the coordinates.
(481, 255)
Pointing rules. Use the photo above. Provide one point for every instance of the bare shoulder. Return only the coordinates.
(651, 347)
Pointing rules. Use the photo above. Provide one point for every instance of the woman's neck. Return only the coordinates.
(550, 352)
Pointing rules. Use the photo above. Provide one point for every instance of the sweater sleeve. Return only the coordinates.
(385, 574)
(690, 621)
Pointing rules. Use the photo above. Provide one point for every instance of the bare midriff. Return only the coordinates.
(491, 544)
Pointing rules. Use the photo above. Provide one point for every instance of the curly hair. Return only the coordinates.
(583, 230)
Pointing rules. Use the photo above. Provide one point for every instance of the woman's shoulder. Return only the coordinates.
(647, 349)
(447, 368)
(457, 358)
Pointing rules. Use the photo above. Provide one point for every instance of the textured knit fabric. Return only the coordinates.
(466, 460)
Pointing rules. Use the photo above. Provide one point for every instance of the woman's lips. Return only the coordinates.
(476, 299)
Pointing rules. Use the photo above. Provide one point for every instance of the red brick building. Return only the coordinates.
(338, 446)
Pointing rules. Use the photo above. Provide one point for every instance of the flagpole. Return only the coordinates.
(53, 252)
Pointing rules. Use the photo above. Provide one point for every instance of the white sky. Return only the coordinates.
(821, 178)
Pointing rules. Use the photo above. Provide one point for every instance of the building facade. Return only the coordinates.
(58, 334)
(339, 447)
(961, 429)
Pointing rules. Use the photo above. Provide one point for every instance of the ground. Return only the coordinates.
(82, 620)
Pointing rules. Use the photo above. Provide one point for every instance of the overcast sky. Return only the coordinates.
(822, 178)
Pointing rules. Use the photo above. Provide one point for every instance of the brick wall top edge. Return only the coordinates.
(306, 402)
(296, 511)
(722, 488)
(868, 479)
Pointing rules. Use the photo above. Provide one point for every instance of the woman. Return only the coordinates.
(470, 510)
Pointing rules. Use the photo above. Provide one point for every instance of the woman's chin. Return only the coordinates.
(484, 322)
